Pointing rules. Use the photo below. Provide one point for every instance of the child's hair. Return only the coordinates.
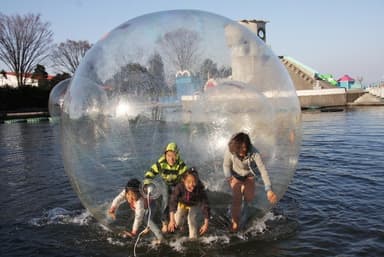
(133, 185)
(237, 141)
(191, 171)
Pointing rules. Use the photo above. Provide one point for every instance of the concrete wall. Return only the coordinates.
(353, 94)
(313, 92)
(377, 91)
(322, 97)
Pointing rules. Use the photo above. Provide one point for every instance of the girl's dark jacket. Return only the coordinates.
(197, 197)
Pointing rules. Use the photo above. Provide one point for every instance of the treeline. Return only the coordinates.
(23, 99)
(30, 98)
(25, 44)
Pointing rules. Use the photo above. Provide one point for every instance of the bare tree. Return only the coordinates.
(208, 69)
(156, 70)
(360, 79)
(66, 56)
(181, 47)
(24, 42)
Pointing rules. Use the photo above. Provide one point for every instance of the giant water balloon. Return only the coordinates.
(190, 77)
(56, 98)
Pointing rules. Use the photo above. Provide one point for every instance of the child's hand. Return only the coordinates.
(272, 198)
(172, 226)
(126, 234)
(112, 213)
(204, 228)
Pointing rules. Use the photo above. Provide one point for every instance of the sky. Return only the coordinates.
(331, 36)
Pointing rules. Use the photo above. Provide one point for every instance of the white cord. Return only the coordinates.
(250, 167)
(147, 227)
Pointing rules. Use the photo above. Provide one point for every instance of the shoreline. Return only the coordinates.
(43, 116)
(24, 116)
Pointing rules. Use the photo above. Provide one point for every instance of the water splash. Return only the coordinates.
(60, 215)
(114, 241)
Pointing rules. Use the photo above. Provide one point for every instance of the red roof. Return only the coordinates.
(346, 78)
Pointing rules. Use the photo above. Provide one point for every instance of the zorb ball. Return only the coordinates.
(189, 77)
(56, 98)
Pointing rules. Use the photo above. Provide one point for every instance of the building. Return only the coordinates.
(257, 27)
(347, 82)
(186, 84)
(9, 79)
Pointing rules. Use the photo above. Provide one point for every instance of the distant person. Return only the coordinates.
(139, 205)
(188, 197)
(170, 167)
(240, 160)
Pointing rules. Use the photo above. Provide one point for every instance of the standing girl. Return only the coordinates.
(237, 166)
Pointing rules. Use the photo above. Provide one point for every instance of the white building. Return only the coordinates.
(9, 78)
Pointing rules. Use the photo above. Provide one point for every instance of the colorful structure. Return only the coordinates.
(327, 77)
(186, 84)
(346, 82)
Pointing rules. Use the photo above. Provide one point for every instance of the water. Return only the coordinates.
(333, 207)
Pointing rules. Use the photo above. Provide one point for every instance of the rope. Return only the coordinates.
(249, 165)
(147, 227)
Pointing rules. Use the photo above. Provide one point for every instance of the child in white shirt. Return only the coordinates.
(138, 204)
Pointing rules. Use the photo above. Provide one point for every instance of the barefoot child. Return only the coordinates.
(239, 158)
(138, 204)
(186, 198)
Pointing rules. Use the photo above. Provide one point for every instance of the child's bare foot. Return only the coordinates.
(235, 226)
(164, 228)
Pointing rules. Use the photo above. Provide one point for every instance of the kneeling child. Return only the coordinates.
(138, 204)
(186, 198)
